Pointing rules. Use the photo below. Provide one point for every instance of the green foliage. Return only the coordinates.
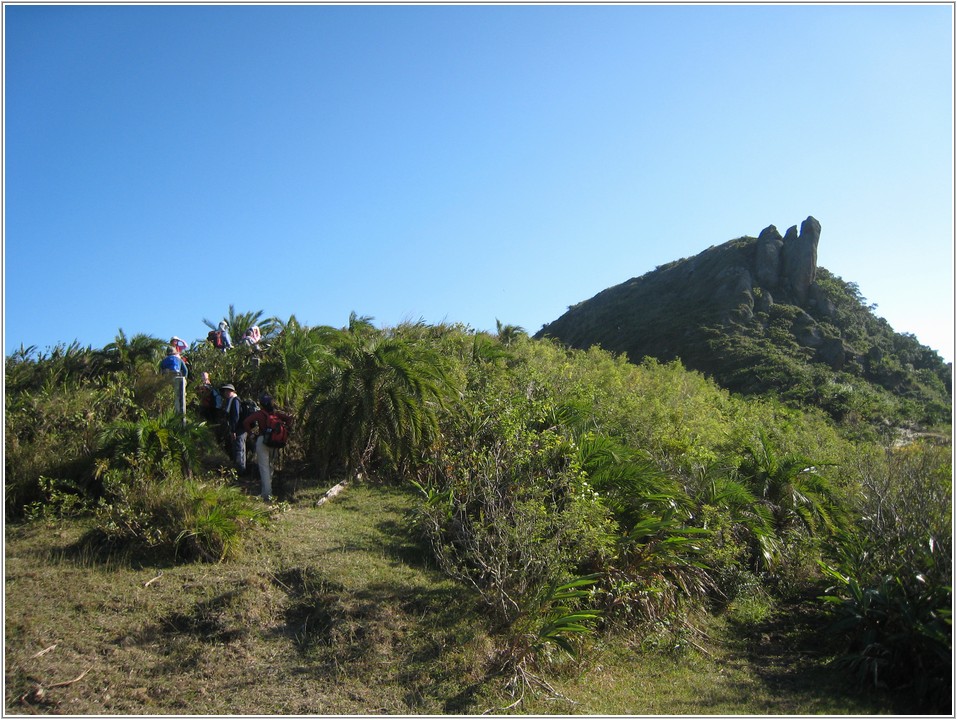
(899, 633)
(54, 433)
(215, 518)
(658, 572)
(377, 407)
(790, 486)
(508, 510)
(202, 518)
(893, 575)
(155, 443)
(564, 621)
(60, 499)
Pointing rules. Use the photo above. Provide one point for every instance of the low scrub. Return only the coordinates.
(191, 517)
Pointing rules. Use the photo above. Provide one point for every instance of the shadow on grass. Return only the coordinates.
(790, 652)
(95, 549)
(412, 636)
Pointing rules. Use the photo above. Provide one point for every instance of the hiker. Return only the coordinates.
(179, 346)
(220, 337)
(251, 340)
(252, 337)
(271, 427)
(210, 401)
(235, 432)
(175, 367)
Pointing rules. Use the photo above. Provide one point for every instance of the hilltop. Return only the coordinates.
(759, 316)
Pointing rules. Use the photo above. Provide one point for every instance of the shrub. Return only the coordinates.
(891, 597)
(508, 510)
(203, 518)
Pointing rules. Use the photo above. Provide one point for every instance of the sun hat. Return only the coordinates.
(227, 387)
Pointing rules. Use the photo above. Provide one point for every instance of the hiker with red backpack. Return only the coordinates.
(219, 338)
(271, 427)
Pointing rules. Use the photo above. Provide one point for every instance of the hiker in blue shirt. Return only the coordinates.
(173, 364)
(175, 367)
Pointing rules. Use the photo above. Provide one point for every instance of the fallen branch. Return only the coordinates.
(39, 692)
(151, 581)
(332, 492)
(70, 682)
(44, 651)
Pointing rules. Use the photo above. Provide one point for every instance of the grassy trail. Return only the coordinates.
(332, 611)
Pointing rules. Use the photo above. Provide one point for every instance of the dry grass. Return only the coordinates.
(331, 610)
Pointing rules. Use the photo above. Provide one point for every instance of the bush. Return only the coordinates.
(190, 517)
(891, 598)
(510, 514)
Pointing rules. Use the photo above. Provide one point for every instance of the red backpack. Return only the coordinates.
(276, 433)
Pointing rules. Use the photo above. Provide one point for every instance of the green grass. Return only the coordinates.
(333, 610)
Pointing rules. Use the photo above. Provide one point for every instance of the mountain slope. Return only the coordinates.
(759, 316)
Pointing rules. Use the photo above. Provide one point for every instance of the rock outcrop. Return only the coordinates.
(737, 283)
(788, 263)
(799, 258)
(767, 257)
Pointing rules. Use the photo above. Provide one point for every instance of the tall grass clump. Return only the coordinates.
(189, 517)
(152, 497)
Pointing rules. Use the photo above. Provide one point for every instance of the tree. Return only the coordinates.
(239, 323)
(507, 334)
(129, 355)
(295, 359)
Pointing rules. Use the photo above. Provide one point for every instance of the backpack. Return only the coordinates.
(210, 399)
(276, 433)
(246, 408)
(216, 338)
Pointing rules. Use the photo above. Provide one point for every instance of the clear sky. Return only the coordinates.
(460, 163)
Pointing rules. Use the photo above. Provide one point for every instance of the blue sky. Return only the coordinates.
(459, 163)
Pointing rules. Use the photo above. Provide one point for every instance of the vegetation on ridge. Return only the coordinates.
(585, 503)
(828, 350)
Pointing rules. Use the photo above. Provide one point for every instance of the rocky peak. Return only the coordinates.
(788, 263)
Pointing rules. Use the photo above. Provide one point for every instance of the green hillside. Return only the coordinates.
(540, 526)
(760, 317)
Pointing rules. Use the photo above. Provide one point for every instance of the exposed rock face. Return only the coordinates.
(799, 258)
(788, 263)
(818, 300)
(726, 285)
(767, 259)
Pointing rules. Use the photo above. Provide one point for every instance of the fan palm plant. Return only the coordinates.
(378, 403)
(790, 486)
(658, 565)
(507, 334)
(128, 355)
(239, 323)
(295, 359)
(747, 517)
(155, 441)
